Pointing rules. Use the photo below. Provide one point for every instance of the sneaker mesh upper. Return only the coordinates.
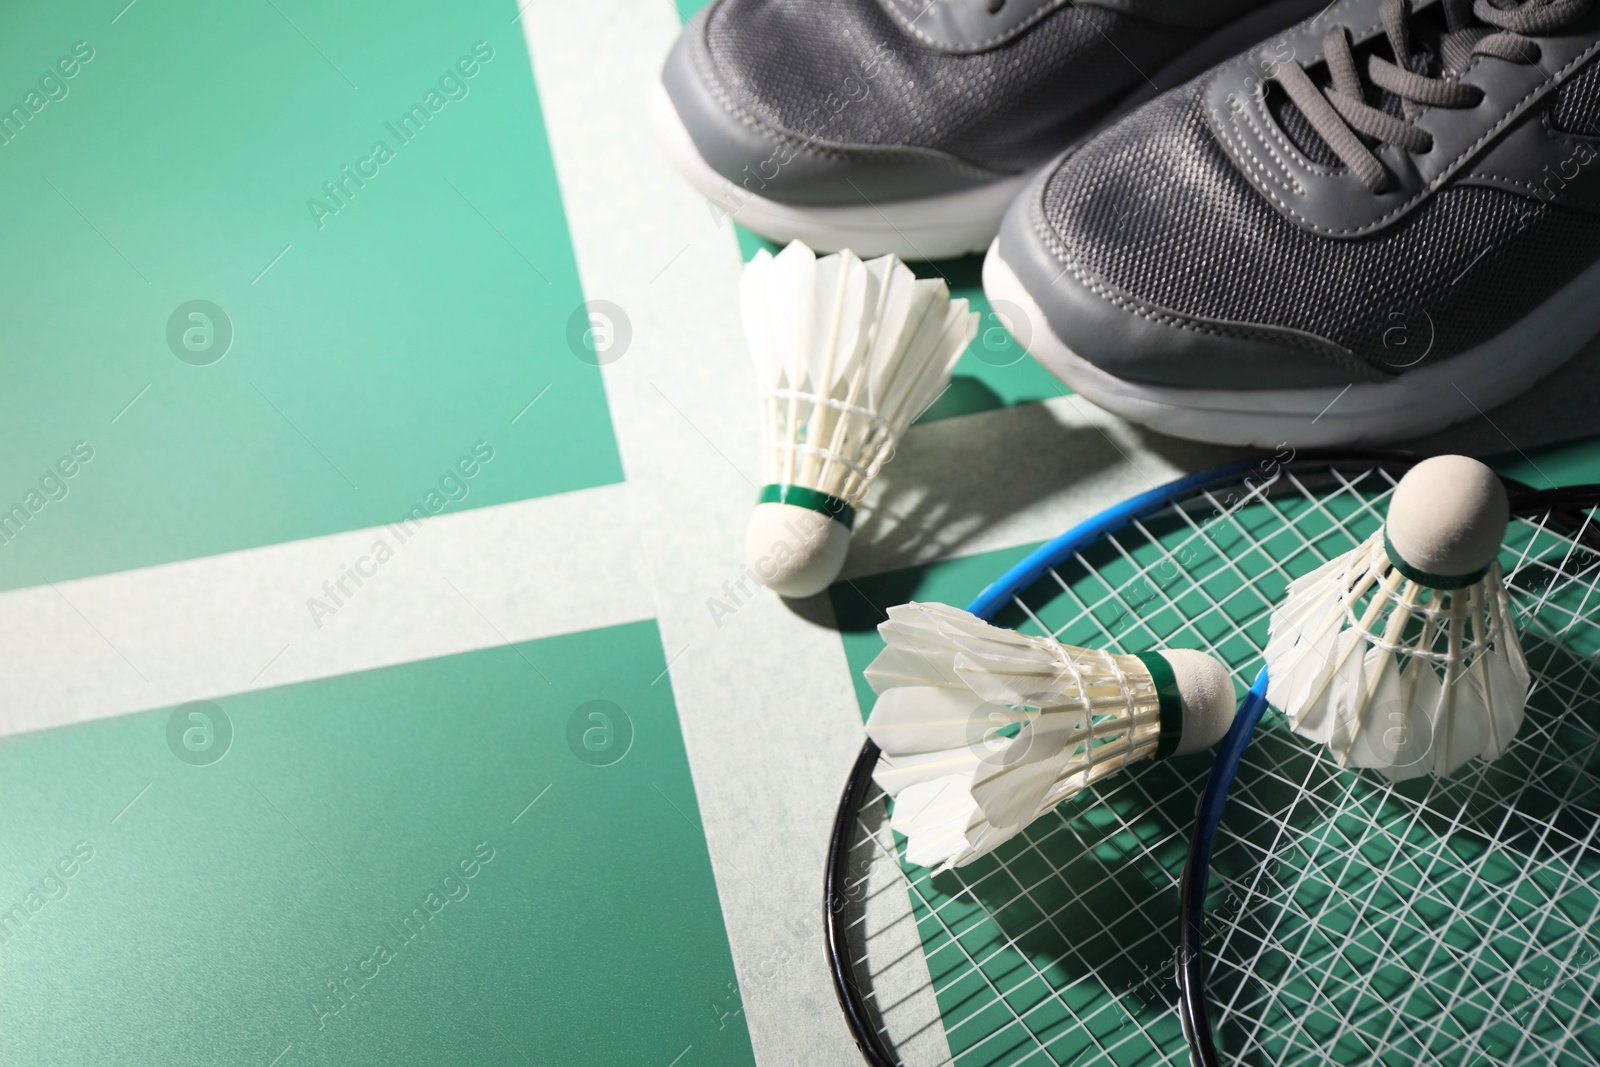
(1577, 106)
(843, 71)
(1155, 208)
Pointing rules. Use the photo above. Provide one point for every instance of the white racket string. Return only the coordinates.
(1425, 862)
(1332, 892)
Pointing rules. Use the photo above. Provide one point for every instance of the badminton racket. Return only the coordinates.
(1059, 946)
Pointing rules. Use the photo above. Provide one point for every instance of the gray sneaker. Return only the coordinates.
(907, 126)
(1379, 224)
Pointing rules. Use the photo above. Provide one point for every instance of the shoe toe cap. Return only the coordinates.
(738, 139)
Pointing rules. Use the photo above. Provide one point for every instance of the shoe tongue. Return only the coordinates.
(1439, 52)
(1292, 121)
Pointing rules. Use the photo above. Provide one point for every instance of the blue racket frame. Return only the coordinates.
(1196, 876)
(986, 605)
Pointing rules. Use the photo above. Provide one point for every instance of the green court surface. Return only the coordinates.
(278, 271)
(234, 321)
(489, 858)
(380, 326)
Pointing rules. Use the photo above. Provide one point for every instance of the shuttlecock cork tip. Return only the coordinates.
(795, 551)
(1447, 519)
(1206, 693)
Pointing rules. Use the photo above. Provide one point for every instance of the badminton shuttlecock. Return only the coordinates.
(847, 355)
(1401, 654)
(983, 729)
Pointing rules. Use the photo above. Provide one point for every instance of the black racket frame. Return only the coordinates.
(1191, 974)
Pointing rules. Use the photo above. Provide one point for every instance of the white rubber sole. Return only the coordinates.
(932, 227)
(1418, 403)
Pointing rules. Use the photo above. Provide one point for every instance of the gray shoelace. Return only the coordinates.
(1341, 114)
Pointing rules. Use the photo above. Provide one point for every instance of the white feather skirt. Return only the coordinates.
(984, 729)
(1392, 675)
(847, 354)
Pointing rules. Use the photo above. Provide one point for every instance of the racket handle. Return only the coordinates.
(1197, 875)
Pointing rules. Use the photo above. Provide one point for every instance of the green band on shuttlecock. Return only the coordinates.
(1166, 683)
(1421, 577)
(810, 499)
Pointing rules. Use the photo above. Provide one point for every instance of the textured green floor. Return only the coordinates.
(160, 908)
(230, 910)
(370, 349)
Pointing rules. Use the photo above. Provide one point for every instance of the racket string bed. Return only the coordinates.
(1337, 894)
(1142, 576)
(1363, 986)
(1331, 872)
(932, 909)
(1335, 898)
(957, 937)
(1575, 544)
(1465, 903)
(1010, 943)
(953, 938)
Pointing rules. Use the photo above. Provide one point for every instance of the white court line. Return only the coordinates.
(236, 622)
(1013, 476)
(765, 700)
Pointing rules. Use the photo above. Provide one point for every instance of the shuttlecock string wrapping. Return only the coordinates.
(1370, 589)
(982, 729)
(1099, 724)
(1120, 728)
(1394, 674)
(1414, 626)
(1032, 723)
(848, 354)
(830, 466)
(1422, 606)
